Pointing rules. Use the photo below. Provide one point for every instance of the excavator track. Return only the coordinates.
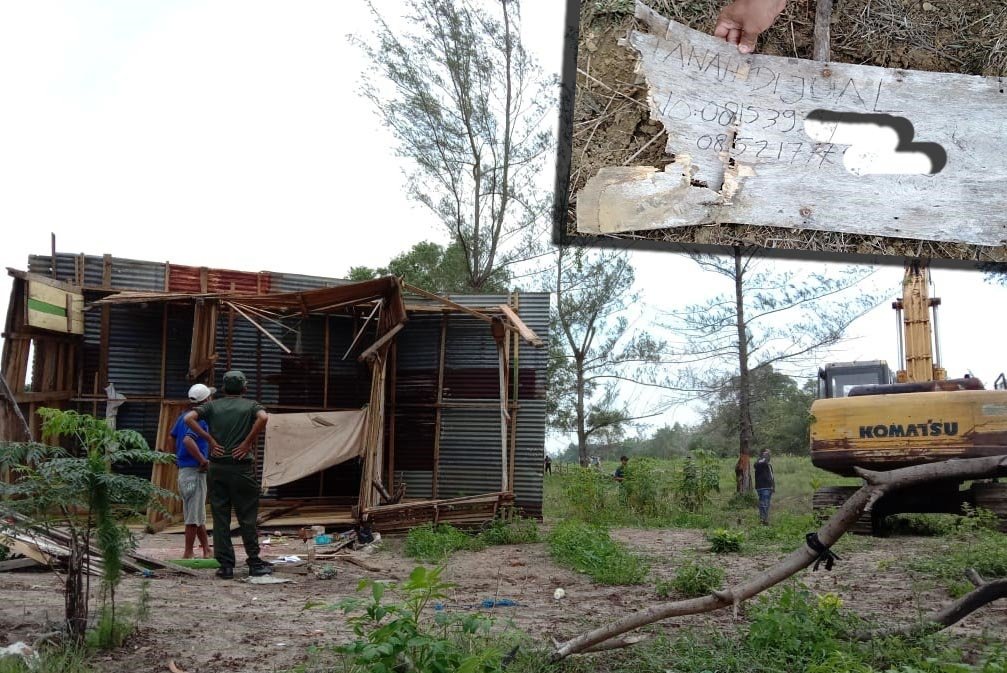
(829, 498)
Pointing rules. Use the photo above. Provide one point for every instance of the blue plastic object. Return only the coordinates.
(499, 603)
(323, 539)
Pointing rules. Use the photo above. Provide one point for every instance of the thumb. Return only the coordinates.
(747, 43)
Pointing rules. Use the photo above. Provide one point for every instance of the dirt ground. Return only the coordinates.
(205, 624)
(612, 125)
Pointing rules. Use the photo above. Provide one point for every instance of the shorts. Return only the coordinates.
(192, 488)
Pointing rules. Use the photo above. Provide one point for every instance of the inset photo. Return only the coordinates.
(868, 127)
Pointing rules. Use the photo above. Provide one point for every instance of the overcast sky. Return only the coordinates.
(231, 134)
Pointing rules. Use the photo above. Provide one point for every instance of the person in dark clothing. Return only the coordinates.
(234, 426)
(765, 484)
(620, 472)
(548, 465)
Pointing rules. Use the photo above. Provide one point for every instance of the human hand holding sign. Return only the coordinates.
(742, 21)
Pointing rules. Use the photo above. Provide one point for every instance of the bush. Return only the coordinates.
(696, 579)
(796, 627)
(432, 543)
(392, 636)
(696, 480)
(588, 492)
(643, 489)
(723, 541)
(589, 549)
(743, 500)
(517, 530)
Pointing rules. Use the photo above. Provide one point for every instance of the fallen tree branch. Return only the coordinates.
(984, 593)
(879, 485)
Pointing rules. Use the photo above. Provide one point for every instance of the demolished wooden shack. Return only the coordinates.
(448, 392)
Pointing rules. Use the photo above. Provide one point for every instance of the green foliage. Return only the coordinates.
(62, 659)
(517, 530)
(744, 500)
(435, 268)
(644, 489)
(723, 541)
(588, 492)
(589, 549)
(432, 543)
(394, 636)
(4, 553)
(986, 553)
(697, 579)
(50, 483)
(696, 480)
(796, 626)
(975, 520)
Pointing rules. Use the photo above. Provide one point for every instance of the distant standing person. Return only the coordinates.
(191, 456)
(234, 424)
(765, 484)
(620, 472)
(547, 468)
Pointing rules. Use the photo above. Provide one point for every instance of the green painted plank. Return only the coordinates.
(44, 307)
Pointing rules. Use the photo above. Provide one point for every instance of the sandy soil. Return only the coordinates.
(205, 624)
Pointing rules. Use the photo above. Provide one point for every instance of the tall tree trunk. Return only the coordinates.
(742, 469)
(581, 420)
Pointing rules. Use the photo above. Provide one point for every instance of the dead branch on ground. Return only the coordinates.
(877, 485)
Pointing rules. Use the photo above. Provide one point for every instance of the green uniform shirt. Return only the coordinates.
(230, 420)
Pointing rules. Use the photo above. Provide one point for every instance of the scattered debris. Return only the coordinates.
(558, 594)
(267, 579)
(326, 572)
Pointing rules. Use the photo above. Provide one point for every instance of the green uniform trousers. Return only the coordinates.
(233, 484)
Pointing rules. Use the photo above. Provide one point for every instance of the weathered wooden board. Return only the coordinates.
(52, 306)
(736, 127)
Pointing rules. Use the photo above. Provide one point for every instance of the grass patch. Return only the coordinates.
(431, 543)
(49, 660)
(986, 553)
(695, 579)
(589, 549)
(724, 541)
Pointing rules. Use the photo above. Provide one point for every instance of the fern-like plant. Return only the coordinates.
(77, 492)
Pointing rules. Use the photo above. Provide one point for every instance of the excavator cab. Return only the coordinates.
(838, 378)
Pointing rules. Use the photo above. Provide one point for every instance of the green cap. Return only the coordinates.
(234, 381)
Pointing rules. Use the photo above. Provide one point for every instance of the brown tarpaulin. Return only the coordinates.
(301, 444)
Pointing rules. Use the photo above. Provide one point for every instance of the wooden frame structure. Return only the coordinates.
(377, 314)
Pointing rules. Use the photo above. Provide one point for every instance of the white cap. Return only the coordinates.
(200, 393)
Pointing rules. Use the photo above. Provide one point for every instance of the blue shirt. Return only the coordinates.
(182, 456)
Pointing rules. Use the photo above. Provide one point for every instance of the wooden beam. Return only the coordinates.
(325, 363)
(44, 396)
(527, 333)
(822, 50)
(259, 327)
(385, 338)
(437, 408)
(106, 325)
(164, 346)
(394, 358)
(360, 332)
(444, 300)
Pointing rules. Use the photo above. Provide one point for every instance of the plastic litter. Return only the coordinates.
(498, 603)
(323, 539)
(267, 579)
(17, 649)
(559, 593)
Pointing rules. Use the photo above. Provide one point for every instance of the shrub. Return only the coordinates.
(517, 530)
(588, 492)
(723, 541)
(393, 636)
(589, 549)
(643, 489)
(796, 626)
(432, 543)
(986, 554)
(743, 500)
(695, 579)
(696, 480)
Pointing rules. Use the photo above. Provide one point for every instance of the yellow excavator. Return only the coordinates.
(865, 417)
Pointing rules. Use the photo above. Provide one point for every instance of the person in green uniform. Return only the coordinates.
(235, 424)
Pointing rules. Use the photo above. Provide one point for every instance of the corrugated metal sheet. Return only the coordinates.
(470, 453)
(419, 483)
(132, 274)
(134, 350)
(176, 366)
(252, 353)
(187, 279)
(295, 282)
